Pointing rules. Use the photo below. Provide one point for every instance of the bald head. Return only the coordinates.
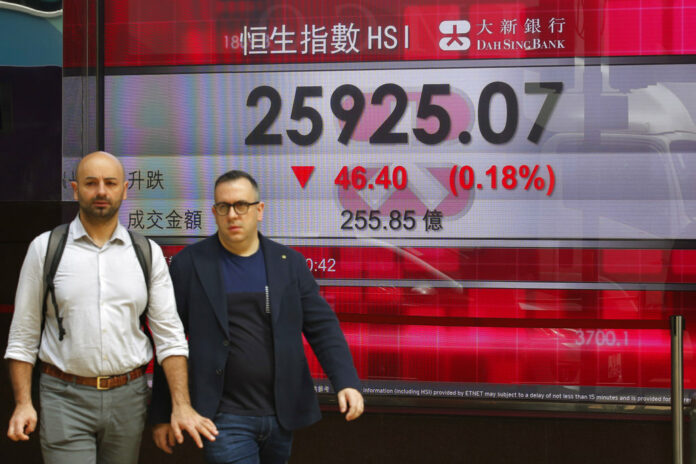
(100, 187)
(103, 161)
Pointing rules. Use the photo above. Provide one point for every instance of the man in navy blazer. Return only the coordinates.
(245, 302)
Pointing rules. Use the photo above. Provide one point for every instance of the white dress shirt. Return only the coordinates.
(101, 293)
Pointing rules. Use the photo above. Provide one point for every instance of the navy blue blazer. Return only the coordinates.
(296, 309)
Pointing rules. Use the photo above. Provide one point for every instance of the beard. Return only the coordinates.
(99, 213)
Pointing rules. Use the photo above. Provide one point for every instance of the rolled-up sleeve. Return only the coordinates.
(25, 330)
(167, 329)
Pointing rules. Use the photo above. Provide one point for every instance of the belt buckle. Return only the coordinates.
(99, 379)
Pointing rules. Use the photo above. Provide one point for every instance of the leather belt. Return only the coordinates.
(104, 382)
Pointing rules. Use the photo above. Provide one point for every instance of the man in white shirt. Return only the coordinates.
(93, 391)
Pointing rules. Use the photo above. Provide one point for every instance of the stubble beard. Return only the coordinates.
(99, 214)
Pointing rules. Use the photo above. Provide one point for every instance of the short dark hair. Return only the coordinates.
(235, 174)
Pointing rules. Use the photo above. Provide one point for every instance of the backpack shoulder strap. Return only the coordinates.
(54, 252)
(143, 251)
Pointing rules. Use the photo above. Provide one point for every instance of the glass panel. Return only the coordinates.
(495, 197)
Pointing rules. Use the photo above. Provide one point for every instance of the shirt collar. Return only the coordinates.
(77, 231)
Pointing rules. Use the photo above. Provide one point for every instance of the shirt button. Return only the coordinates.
(218, 371)
(226, 342)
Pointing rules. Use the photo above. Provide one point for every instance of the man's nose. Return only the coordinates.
(101, 188)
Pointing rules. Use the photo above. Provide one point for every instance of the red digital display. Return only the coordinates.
(512, 336)
(491, 211)
(201, 32)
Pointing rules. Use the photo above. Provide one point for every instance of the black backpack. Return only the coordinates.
(54, 252)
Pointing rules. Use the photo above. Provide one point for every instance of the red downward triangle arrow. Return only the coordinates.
(303, 173)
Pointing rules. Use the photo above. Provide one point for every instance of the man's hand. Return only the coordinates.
(184, 417)
(350, 399)
(163, 436)
(22, 422)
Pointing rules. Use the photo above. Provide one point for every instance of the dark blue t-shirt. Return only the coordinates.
(248, 388)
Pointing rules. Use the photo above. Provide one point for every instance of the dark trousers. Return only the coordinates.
(249, 440)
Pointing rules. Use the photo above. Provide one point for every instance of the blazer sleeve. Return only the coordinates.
(323, 332)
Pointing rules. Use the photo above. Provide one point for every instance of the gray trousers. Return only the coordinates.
(80, 424)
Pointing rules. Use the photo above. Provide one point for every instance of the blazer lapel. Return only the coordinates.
(276, 273)
(208, 268)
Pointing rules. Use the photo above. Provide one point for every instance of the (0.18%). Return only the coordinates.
(509, 177)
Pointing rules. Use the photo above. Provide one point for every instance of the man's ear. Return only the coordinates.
(259, 211)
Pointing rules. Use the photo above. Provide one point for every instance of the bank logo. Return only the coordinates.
(454, 37)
